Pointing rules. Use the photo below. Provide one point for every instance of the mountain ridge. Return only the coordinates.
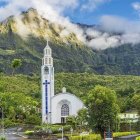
(25, 38)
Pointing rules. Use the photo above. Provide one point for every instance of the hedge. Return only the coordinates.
(2, 138)
(87, 137)
(138, 138)
(119, 134)
(28, 132)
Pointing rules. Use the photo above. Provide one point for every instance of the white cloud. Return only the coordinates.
(93, 33)
(102, 42)
(14, 7)
(119, 24)
(53, 11)
(136, 6)
(127, 32)
(91, 5)
(130, 38)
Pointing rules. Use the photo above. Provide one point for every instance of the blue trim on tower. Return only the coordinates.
(46, 94)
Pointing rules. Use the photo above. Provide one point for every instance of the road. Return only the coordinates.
(11, 135)
(130, 137)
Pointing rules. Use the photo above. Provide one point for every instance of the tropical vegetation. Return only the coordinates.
(21, 97)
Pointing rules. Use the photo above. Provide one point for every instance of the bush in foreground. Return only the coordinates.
(2, 138)
(119, 134)
(87, 137)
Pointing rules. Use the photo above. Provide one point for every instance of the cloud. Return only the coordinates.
(114, 31)
(91, 5)
(103, 42)
(56, 7)
(14, 7)
(136, 6)
(119, 24)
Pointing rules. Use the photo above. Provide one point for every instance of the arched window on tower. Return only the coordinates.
(49, 52)
(65, 110)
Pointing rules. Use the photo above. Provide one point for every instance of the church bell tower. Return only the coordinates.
(47, 81)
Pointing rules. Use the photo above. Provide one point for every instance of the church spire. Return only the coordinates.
(47, 42)
(47, 50)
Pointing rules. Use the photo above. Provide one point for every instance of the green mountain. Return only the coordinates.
(24, 37)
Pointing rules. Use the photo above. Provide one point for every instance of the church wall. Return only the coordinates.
(72, 101)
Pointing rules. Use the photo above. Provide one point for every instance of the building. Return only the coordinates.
(55, 108)
(129, 117)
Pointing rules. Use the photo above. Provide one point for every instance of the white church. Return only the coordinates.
(55, 108)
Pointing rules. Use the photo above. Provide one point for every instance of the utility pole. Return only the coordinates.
(130, 126)
(62, 133)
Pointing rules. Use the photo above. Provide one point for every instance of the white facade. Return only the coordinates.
(56, 108)
(74, 105)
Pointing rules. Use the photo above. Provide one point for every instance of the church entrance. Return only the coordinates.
(64, 113)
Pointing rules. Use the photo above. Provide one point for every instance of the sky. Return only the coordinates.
(122, 8)
(78, 11)
(119, 16)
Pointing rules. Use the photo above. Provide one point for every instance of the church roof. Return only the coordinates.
(67, 93)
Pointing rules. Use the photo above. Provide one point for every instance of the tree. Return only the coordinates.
(80, 120)
(103, 109)
(15, 64)
(136, 102)
(72, 120)
(18, 106)
(82, 117)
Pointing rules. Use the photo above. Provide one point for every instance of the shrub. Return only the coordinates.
(29, 133)
(2, 138)
(87, 137)
(32, 119)
(119, 134)
(8, 123)
(54, 128)
(138, 138)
